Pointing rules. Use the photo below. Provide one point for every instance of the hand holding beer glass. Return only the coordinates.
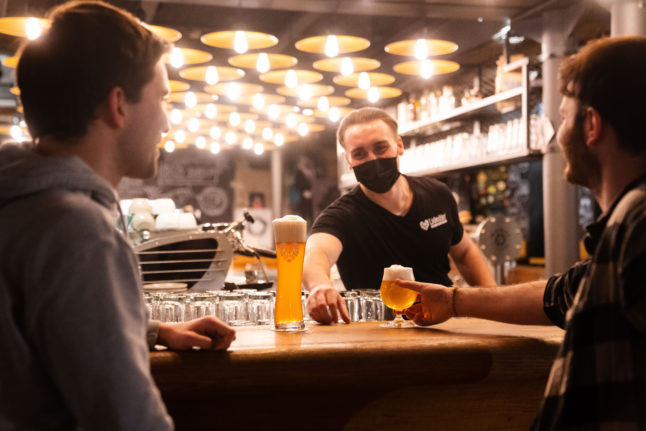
(395, 297)
(290, 233)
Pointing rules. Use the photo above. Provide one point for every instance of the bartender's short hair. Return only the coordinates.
(362, 116)
(90, 48)
(608, 74)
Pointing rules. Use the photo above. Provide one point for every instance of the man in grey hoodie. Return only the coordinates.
(74, 337)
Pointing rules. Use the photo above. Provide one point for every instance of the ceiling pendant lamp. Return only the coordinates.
(212, 76)
(421, 48)
(29, 27)
(239, 40)
(262, 61)
(240, 44)
(332, 45)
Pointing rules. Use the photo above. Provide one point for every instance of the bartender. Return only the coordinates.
(389, 218)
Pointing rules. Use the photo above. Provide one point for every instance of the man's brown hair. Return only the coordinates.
(362, 116)
(608, 74)
(90, 48)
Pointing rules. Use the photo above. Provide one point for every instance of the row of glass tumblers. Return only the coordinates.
(248, 307)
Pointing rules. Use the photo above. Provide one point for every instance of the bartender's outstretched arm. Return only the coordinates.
(519, 304)
(324, 303)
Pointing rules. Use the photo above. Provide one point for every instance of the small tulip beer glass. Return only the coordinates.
(290, 233)
(397, 298)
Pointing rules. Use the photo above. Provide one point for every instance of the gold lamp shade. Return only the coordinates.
(316, 90)
(439, 67)
(178, 85)
(15, 91)
(433, 47)
(180, 96)
(302, 76)
(192, 56)
(316, 44)
(384, 92)
(224, 73)
(171, 35)
(244, 88)
(315, 127)
(342, 112)
(249, 61)
(269, 99)
(11, 62)
(376, 79)
(332, 101)
(225, 39)
(281, 110)
(359, 64)
(23, 26)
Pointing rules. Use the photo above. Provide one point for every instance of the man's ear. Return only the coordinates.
(400, 146)
(592, 126)
(347, 159)
(114, 110)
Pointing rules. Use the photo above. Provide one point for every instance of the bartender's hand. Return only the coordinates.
(207, 333)
(325, 305)
(436, 303)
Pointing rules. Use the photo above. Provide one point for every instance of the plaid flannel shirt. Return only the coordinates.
(598, 380)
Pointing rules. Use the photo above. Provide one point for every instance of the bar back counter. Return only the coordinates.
(465, 374)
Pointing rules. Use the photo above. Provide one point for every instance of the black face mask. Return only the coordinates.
(377, 175)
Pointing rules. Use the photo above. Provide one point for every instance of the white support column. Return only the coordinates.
(277, 183)
(560, 206)
(627, 17)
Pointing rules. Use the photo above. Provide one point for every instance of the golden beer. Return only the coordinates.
(290, 233)
(395, 297)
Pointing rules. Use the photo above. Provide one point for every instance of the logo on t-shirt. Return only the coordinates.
(433, 222)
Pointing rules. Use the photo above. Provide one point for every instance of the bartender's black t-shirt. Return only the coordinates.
(373, 238)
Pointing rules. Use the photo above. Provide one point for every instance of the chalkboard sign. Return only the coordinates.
(190, 177)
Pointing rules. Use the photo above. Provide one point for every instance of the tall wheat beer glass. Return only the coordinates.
(290, 232)
(395, 297)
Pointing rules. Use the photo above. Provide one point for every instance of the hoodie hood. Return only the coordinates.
(24, 172)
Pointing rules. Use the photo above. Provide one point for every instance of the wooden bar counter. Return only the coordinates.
(465, 374)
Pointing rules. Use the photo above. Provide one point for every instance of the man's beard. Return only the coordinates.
(582, 165)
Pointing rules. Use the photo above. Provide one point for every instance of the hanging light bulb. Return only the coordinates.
(247, 143)
(169, 146)
(279, 139)
(32, 28)
(323, 104)
(262, 63)
(200, 142)
(334, 114)
(291, 120)
(212, 76)
(303, 129)
(364, 81)
(176, 58)
(331, 46)
(190, 100)
(305, 92)
(267, 133)
(258, 101)
(211, 111)
(175, 116)
(291, 79)
(258, 148)
(193, 125)
(215, 147)
(233, 91)
(234, 119)
(240, 43)
(230, 138)
(215, 132)
(426, 69)
(15, 132)
(273, 112)
(421, 49)
(373, 94)
(347, 67)
(249, 126)
(180, 136)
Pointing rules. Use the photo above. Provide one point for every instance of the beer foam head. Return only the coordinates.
(290, 228)
(398, 272)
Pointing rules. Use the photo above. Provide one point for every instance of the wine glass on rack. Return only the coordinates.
(395, 297)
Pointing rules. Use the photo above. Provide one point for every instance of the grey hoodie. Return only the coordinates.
(73, 351)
